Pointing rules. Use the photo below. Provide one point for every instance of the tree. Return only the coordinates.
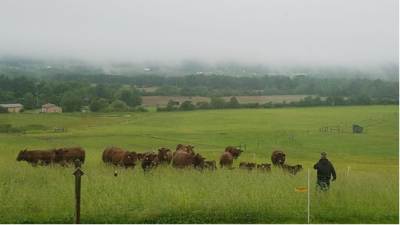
(203, 105)
(131, 96)
(29, 101)
(3, 110)
(170, 105)
(98, 105)
(234, 103)
(119, 105)
(187, 105)
(71, 102)
(217, 103)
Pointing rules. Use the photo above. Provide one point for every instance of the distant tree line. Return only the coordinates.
(220, 85)
(107, 93)
(309, 101)
(70, 95)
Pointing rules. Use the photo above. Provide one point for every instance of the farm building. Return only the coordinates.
(357, 129)
(16, 107)
(51, 108)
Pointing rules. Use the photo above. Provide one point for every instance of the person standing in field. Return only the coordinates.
(324, 171)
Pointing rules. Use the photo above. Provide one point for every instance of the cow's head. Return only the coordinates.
(298, 168)
(162, 153)
(22, 155)
(59, 155)
(280, 157)
(133, 157)
(179, 147)
(149, 157)
(236, 153)
(189, 149)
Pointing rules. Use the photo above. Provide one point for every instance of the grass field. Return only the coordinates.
(367, 193)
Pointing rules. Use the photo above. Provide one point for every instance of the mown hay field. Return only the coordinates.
(367, 193)
(163, 100)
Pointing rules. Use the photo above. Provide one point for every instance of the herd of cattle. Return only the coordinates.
(183, 157)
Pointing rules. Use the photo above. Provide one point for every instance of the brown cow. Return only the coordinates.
(164, 155)
(122, 157)
(210, 164)
(186, 148)
(183, 159)
(278, 158)
(108, 153)
(246, 165)
(264, 167)
(147, 160)
(292, 169)
(234, 151)
(226, 160)
(69, 155)
(119, 157)
(34, 156)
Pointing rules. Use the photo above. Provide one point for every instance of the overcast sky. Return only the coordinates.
(268, 31)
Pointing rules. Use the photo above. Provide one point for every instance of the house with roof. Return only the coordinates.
(51, 108)
(15, 107)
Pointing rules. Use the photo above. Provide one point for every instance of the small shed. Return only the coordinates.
(16, 107)
(51, 108)
(357, 129)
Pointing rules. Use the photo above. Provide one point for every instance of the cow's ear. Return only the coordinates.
(65, 150)
(192, 146)
(25, 150)
(204, 158)
(283, 154)
(159, 150)
(241, 150)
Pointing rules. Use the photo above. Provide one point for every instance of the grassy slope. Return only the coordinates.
(368, 194)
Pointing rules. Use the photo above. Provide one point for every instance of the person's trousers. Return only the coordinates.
(323, 183)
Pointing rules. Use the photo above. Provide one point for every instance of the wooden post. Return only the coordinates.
(77, 201)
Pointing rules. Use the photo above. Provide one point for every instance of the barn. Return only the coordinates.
(16, 107)
(51, 108)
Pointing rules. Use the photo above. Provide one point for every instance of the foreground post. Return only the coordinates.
(77, 202)
(308, 200)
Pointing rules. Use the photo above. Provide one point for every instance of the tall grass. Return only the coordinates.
(368, 193)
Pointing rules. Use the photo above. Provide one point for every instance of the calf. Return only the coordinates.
(210, 165)
(264, 167)
(246, 165)
(292, 169)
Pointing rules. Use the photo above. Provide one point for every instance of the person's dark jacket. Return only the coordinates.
(325, 169)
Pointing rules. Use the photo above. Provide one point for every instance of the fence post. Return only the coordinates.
(77, 201)
(308, 198)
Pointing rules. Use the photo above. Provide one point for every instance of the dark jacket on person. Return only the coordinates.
(325, 169)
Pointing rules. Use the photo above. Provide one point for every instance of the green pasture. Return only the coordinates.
(367, 165)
